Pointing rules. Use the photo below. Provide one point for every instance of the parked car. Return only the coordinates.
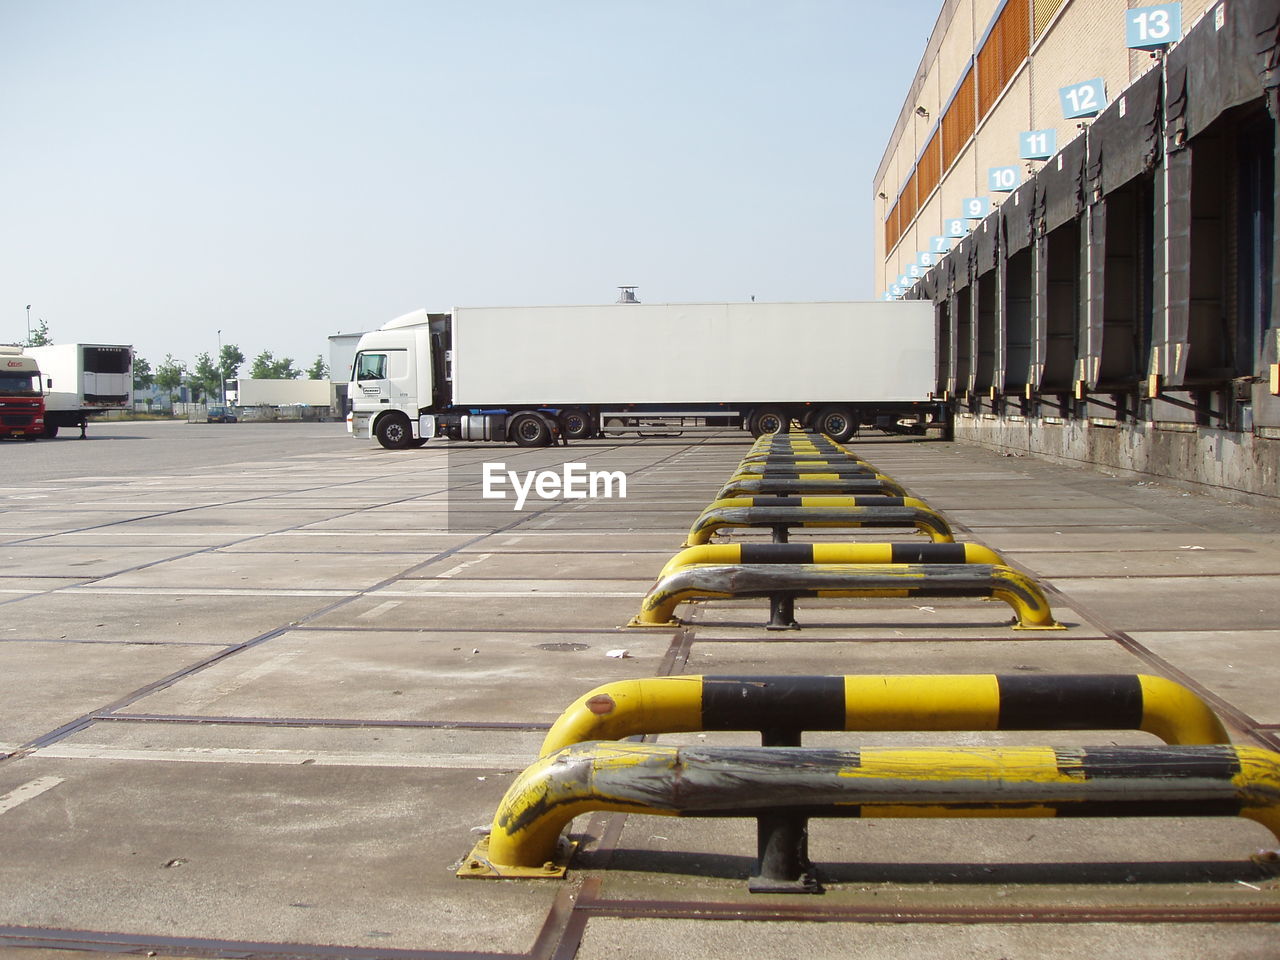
(222, 414)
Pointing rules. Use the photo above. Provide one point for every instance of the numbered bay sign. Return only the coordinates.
(975, 208)
(939, 244)
(1037, 144)
(957, 227)
(1003, 179)
(915, 272)
(1147, 28)
(925, 259)
(1085, 99)
(906, 282)
(886, 296)
(896, 290)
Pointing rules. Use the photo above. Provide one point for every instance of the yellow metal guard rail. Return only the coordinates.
(1157, 781)
(744, 581)
(697, 704)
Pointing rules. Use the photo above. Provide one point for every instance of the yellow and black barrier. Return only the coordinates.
(785, 581)
(848, 553)
(781, 520)
(925, 702)
(766, 782)
(815, 457)
(808, 486)
(804, 467)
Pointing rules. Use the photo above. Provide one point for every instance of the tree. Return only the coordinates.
(39, 337)
(206, 377)
(232, 359)
(318, 370)
(267, 367)
(143, 378)
(168, 376)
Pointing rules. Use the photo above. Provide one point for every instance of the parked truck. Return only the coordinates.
(533, 375)
(21, 397)
(83, 380)
(247, 392)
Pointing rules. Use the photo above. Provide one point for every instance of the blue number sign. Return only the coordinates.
(939, 244)
(975, 208)
(1037, 144)
(1150, 27)
(1003, 179)
(957, 228)
(1083, 99)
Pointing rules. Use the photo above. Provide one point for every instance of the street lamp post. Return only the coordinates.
(28, 323)
(222, 373)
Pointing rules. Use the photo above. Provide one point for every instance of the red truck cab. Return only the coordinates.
(21, 396)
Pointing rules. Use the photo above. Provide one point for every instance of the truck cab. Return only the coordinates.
(21, 396)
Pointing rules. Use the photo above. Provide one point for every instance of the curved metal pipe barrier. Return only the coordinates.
(804, 467)
(809, 486)
(696, 704)
(873, 782)
(784, 458)
(858, 553)
(744, 581)
(781, 519)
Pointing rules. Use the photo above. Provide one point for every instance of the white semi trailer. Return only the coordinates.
(81, 380)
(536, 374)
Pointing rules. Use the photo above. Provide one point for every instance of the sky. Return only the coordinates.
(285, 170)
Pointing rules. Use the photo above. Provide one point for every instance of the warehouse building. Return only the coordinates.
(1085, 190)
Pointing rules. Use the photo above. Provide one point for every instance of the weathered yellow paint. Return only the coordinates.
(626, 708)
(846, 501)
(955, 702)
(856, 553)
(929, 782)
(1176, 715)
(657, 609)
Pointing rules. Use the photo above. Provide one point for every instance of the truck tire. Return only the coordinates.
(393, 431)
(836, 422)
(575, 424)
(530, 430)
(769, 420)
(50, 430)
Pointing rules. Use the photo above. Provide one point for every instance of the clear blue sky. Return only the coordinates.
(288, 169)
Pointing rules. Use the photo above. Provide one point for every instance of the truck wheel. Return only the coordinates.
(393, 431)
(575, 424)
(530, 430)
(769, 420)
(50, 430)
(836, 422)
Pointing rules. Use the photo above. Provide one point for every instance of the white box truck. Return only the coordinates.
(533, 375)
(81, 380)
(248, 392)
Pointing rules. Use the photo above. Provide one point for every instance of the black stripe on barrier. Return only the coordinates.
(1088, 702)
(927, 553)
(761, 703)
(776, 553)
(1209, 763)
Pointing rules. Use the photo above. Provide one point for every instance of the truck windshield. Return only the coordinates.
(371, 366)
(13, 382)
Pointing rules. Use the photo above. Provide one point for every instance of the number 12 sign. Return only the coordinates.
(1083, 99)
